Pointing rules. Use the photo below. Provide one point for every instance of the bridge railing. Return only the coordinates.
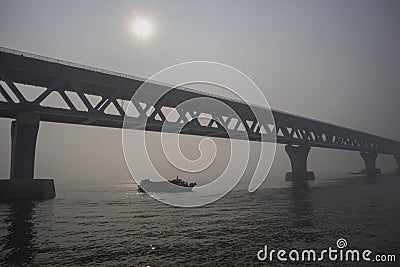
(68, 63)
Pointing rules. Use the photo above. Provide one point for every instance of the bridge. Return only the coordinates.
(102, 95)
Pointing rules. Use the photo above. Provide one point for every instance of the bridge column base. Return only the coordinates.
(291, 177)
(369, 160)
(27, 189)
(298, 159)
(370, 173)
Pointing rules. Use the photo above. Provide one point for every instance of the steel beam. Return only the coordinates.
(55, 75)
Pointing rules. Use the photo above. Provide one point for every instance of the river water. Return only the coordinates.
(114, 225)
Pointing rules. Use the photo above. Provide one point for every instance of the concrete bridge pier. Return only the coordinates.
(22, 185)
(298, 159)
(369, 160)
(397, 159)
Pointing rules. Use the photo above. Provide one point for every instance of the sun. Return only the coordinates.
(142, 28)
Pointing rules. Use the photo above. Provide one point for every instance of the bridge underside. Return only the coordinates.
(113, 92)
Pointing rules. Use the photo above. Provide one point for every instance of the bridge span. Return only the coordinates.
(102, 95)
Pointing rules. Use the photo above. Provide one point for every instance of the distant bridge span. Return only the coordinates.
(98, 90)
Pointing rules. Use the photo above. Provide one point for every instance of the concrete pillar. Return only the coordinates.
(370, 159)
(22, 185)
(397, 158)
(298, 159)
(24, 132)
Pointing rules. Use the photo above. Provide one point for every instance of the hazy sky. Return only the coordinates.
(336, 61)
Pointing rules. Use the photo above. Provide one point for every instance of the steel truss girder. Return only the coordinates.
(117, 91)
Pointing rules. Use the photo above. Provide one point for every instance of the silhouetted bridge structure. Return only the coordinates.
(97, 97)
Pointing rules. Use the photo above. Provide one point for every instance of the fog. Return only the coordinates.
(335, 61)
